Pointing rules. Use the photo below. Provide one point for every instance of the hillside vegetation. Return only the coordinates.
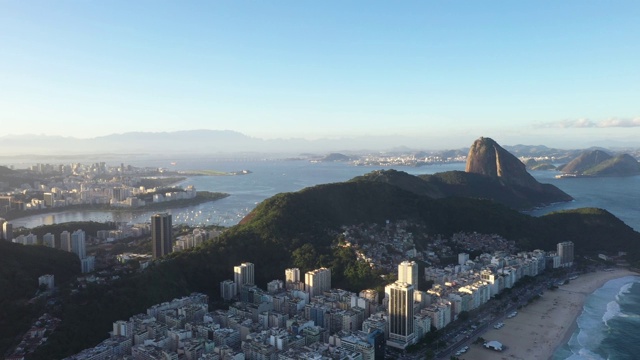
(20, 267)
(470, 185)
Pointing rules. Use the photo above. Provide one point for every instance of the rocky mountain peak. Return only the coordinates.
(488, 158)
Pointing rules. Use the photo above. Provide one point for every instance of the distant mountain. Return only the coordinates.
(619, 165)
(585, 161)
(533, 164)
(189, 142)
(222, 143)
(600, 163)
(538, 151)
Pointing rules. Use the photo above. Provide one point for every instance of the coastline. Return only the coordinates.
(201, 198)
(546, 324)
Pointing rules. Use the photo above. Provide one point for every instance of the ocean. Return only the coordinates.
(608, 326)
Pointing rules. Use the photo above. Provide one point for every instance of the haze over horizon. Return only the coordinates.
(438, 74)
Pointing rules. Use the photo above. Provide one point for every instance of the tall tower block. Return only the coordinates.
(161, 235)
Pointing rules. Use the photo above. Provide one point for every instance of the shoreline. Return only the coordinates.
(201, 198)
(546, 324)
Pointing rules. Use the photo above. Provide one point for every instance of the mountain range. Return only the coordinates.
(225, 142)
(203, 142)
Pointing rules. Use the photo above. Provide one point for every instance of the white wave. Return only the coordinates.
(613, 310)
(626, 289)
(629, 316)
(599, 308)
(585, 354)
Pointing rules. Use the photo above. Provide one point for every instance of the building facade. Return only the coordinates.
(161, 235)
(243, 274)
(565, 251)
(408, 273)
(401, 329)
(317, 281)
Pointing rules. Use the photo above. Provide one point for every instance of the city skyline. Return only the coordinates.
(528, 72)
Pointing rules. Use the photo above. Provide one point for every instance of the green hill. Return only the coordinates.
(6, 171)
(10, 179)
(599, 163)
(619, 165)
(470, 185)
(20, 267)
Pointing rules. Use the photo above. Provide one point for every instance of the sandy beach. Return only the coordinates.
(546, 323)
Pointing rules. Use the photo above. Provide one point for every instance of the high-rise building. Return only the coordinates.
(49, 240)
(292, 275)
(243, 274)
(65, 241)
(78, 244)
(161, 231)
(463, 258)
(228, 289)
(317, 281)
(408, 272)
(49, 199)
(401, 331)
(31, 239)
(87, 264)
(2, 222)
(565, 251)
(7, 231)
(119, 193)
(292, 279)
(122, 328)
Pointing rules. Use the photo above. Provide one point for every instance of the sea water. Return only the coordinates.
(609, 326)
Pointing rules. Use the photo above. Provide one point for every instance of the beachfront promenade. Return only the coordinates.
(541, 326)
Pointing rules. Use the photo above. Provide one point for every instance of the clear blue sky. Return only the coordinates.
(536, 72)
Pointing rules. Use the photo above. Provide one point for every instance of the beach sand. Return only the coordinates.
(546, 323)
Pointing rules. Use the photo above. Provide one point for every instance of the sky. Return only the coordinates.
(532, 72)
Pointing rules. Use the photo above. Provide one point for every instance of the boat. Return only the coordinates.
(571, 176)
